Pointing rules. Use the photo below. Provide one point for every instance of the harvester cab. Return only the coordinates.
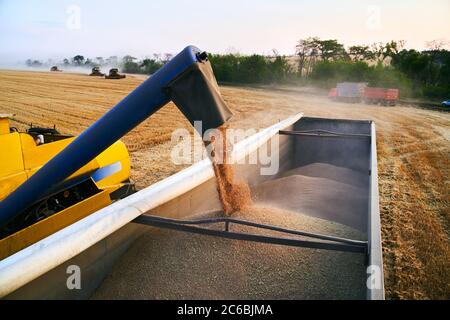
(96, 72)
(114, 74)
(46, 187)
(46, 135)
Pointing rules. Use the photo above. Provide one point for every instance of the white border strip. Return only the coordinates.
(41, 257)
(374, 230)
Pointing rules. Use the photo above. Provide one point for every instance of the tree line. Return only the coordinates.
(235, 68)
(317, 62)
(326, 62)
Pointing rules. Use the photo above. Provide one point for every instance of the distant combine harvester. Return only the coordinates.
(114, 74)
(96, 72)
(55, 68)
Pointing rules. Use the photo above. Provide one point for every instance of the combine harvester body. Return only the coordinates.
(96, 72)
(96, 241)
(93, 186)
(114, 74)
(55, 69)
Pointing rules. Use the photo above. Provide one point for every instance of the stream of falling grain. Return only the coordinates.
(234, 195)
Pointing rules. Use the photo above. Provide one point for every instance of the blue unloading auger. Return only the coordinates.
(187, 80)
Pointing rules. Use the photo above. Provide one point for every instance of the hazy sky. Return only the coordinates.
(60, 28)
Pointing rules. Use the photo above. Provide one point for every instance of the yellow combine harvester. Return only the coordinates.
(92, 187)
(49, 181)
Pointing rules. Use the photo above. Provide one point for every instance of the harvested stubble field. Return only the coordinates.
(413, 155)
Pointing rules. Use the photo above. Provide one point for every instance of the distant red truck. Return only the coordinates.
(370, 95)
(382, 96)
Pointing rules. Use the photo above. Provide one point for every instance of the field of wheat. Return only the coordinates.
(413, 155)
